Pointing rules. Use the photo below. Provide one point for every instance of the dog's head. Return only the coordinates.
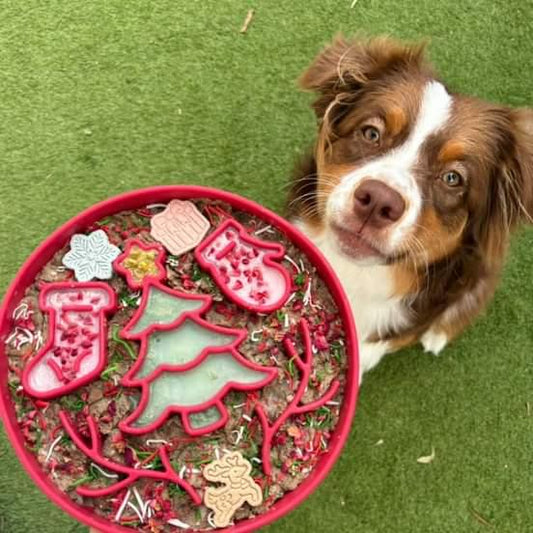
(404, 166)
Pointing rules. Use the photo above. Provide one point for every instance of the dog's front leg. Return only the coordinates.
(370, 354)
(457, 317)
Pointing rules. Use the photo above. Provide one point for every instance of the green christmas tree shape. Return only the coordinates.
(186, 364)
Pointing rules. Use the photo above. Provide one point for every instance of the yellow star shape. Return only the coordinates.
(141, 263)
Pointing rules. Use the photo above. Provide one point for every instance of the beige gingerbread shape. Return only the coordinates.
(180, 227)
(233, 470)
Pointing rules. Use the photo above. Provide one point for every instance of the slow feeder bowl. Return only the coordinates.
(177, 358)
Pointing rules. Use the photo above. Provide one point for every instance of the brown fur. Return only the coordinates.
(455, 256)
(451, 151)
(396, 120)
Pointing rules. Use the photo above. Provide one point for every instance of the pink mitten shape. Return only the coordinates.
(75, 352)
(244, 267)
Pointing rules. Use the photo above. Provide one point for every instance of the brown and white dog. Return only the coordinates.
(411, 192)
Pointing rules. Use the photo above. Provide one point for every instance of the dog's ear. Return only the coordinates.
(346, 65)
(520, 172)
(509, 199)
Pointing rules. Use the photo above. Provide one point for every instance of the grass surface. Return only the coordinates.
(105, 96)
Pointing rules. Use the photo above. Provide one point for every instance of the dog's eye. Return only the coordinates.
(452, 179)
(371, 134)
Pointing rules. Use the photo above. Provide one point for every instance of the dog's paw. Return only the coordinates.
(370, 354)
(434, 341)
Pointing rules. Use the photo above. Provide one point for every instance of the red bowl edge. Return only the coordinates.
(136, 199)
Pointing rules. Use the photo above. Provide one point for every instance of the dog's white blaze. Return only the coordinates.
(395, 168)
(433, 114)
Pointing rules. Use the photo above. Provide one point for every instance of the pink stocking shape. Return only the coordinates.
(75, 352)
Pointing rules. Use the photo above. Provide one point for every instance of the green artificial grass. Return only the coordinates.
(105, 96)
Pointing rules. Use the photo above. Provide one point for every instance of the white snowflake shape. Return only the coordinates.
(91, 256)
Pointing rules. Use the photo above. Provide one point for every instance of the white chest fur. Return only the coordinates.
(370, 290)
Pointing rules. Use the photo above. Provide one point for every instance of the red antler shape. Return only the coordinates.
(304, 364)
(94, 452)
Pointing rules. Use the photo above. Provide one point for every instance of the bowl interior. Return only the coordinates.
(138, 199)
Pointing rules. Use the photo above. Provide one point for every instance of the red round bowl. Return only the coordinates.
(137, 199)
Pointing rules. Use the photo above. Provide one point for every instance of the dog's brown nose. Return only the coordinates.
(377, 204)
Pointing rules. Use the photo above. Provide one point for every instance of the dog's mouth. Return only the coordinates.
(355, 245)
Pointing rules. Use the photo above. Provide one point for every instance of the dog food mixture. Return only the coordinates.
(177, 367)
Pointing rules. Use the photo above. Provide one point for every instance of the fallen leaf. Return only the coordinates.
(426, 459)
(247, 20)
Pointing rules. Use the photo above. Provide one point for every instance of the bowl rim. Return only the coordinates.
(137, 199)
